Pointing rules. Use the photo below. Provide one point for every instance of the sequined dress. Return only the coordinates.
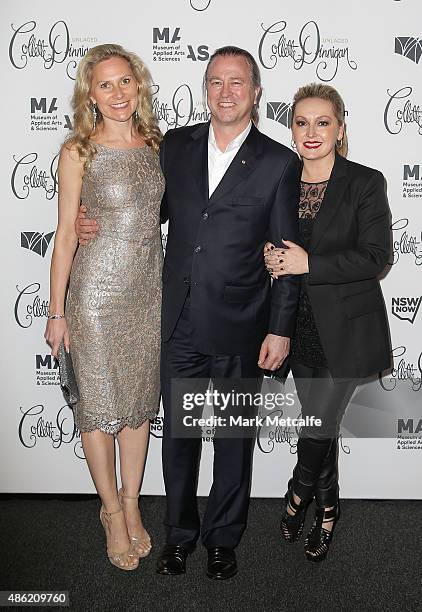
(306, 346)
(113, 304)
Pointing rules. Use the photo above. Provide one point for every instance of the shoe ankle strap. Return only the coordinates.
(130, 497)
(104, 511)
(328, 515)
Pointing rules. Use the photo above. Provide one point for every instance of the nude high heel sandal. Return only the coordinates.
(140, 543)
(125, 560)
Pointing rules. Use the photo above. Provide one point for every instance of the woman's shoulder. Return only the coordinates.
(359, 171)
(70, 151)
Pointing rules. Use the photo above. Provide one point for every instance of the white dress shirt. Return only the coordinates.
(219, 161)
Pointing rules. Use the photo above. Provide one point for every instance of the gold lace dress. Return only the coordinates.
(113, 304)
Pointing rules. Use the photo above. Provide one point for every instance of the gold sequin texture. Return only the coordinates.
(114, 299)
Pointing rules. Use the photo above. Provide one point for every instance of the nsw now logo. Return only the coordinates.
(406, 308)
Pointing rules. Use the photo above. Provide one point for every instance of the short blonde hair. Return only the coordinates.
(145, 120)
(325, 92)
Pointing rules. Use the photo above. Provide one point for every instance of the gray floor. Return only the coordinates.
(375, 562)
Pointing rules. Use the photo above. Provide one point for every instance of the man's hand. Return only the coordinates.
(86, 229)
(274, 351)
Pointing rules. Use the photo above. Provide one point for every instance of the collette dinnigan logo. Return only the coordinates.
(402, 110)
(51, 428)
(181, 110)
(27, 176)
(54, 47)
(29, 305)
(309, 48)
(407, 242)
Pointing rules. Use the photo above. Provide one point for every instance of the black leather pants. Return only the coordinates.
(316, 471)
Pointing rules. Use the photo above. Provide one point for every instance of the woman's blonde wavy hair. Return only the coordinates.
(145, 121)
(325, 92)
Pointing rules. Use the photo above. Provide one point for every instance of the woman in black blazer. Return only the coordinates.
(342, 333)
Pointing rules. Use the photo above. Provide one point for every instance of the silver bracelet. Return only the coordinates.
(55, 316)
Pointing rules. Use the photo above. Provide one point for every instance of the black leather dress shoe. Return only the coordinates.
(222, 563)
(172, 560)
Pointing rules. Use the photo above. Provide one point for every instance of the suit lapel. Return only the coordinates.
(199, 158)
(241, 167)
(331, 203)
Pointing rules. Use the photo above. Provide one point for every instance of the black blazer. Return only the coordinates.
(350, 247)
(215, 245)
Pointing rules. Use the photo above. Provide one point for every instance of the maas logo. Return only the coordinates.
(280, 112)
(405, 308)
(171, 48)
(36, 242)
(46, 370)
(409, 426)
(409, 47)
(412, 188)
(45, 118)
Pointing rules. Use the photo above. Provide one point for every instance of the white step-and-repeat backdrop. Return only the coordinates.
(370, 51)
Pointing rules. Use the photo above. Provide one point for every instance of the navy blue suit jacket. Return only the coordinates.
(215, 245)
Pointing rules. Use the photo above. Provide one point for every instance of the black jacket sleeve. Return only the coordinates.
(284, 225)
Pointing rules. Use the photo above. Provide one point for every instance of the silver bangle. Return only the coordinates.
(55, 316)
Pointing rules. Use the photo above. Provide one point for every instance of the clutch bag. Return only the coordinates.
(283, 371)
(67, 376)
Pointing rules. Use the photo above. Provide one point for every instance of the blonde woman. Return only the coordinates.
(111, 320)
(342, 333)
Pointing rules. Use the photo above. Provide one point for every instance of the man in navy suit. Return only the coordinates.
(229, 188)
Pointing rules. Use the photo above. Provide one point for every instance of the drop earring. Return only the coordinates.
(94, 116)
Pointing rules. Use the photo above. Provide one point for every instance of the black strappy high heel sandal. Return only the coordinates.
(318, 540)
(291, 525)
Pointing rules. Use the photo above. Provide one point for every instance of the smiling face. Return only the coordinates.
(230, 91)
(315, 128)
(114, 89)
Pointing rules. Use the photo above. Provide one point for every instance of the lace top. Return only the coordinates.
(306, 345)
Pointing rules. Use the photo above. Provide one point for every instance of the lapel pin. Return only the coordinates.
(243, 161)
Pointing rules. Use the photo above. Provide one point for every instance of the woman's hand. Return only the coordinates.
(55, 332)
(282, 261)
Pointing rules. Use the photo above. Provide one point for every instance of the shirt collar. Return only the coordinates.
(236, 143)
